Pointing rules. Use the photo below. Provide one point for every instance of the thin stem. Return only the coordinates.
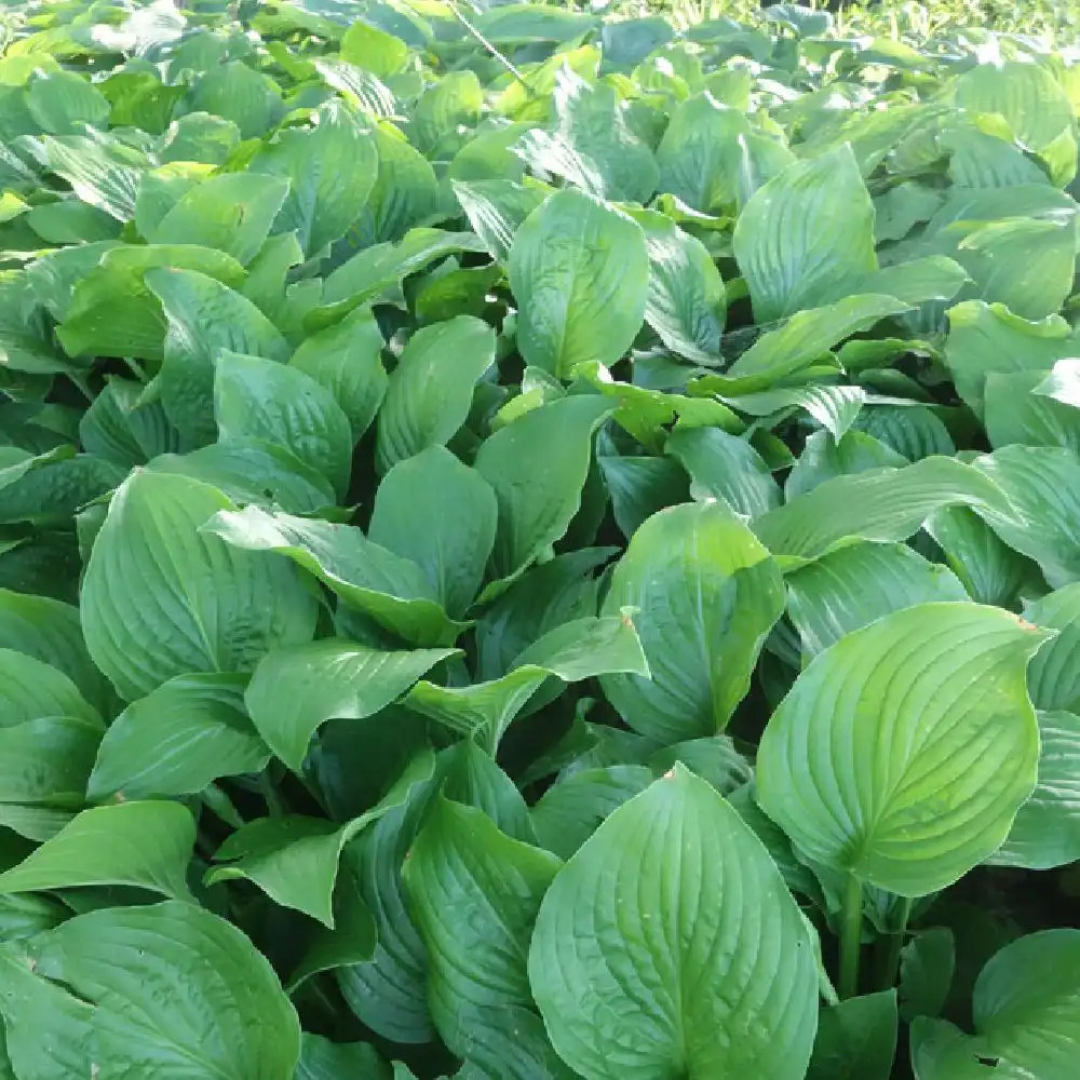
(896, 945)
(851, 938)
(275, 804)
(490, 48)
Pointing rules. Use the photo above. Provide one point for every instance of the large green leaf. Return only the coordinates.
(881, 504)
(277, 403)
(318, 206)
(537, 506)
(178, 739)
(707, 595)
(852, 586)
(388, 588)
(232, 212)
(856, 1039)
(474, 893)
(142, 844)
(47, 761)
(321, 1059)
(903, 752)
(673, 891)
(161, 597)
(431, 389)
(204, 317)
(726, 467)
(806, 238)
(579, 270)
(294, 691)
(442, 515)
(227, 1015)
(31, 689)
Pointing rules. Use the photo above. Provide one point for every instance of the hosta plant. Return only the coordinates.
(536, 543)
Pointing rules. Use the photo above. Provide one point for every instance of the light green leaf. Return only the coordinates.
(707, 595)
(279, 404)
(674, 891)
(390, 589)
(431, 389)
(232, 212)
(834, 407)
(347, 360)
(178, 739)
(571, 652)
(915, 744)
(884, 504)
(806, 238)
(62, 101)
(102, 172)
(294, 691)
(162, 598)
(579, 270)
(145, 845)
(536, 507)
(850, 587)
(496, 209)
(442, 515)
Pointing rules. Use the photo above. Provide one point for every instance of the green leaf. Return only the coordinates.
(536, 508)
(294, 859)
(163, 598)
(62, 101)
(856, 1039)
(927, 964)
(987, 339)
(579, 270)
(884, 504)
(372, 49)
(570, 811)
(806, 238)
(1053, 679)
(386, 587)
(177, 740)
(204, 318)
(102, 172)
(697, 164)
(725, 467)
(112, 310)
(474, 893)
(1046, 832)
(1044, 520)
(147, 1019)
(707, 595)
(852, 586)
(431, 389)
(238, 93)
(232, 212)
(31, 689)
(592, 146)
(47, 761)
(701, 897)
(145, 845)
(914, 744)
(117, 428)
(321, 1059)
(640, 486)
(686, 303)
(279, 404)
(294, 691)
(805, 337)
(571, 652)
(496, 209)
(442, 515)
(318, 206)
(346, 359)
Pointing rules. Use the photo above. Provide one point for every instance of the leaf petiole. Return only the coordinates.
(850, 938)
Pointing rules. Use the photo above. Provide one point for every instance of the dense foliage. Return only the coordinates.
(536, 546)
